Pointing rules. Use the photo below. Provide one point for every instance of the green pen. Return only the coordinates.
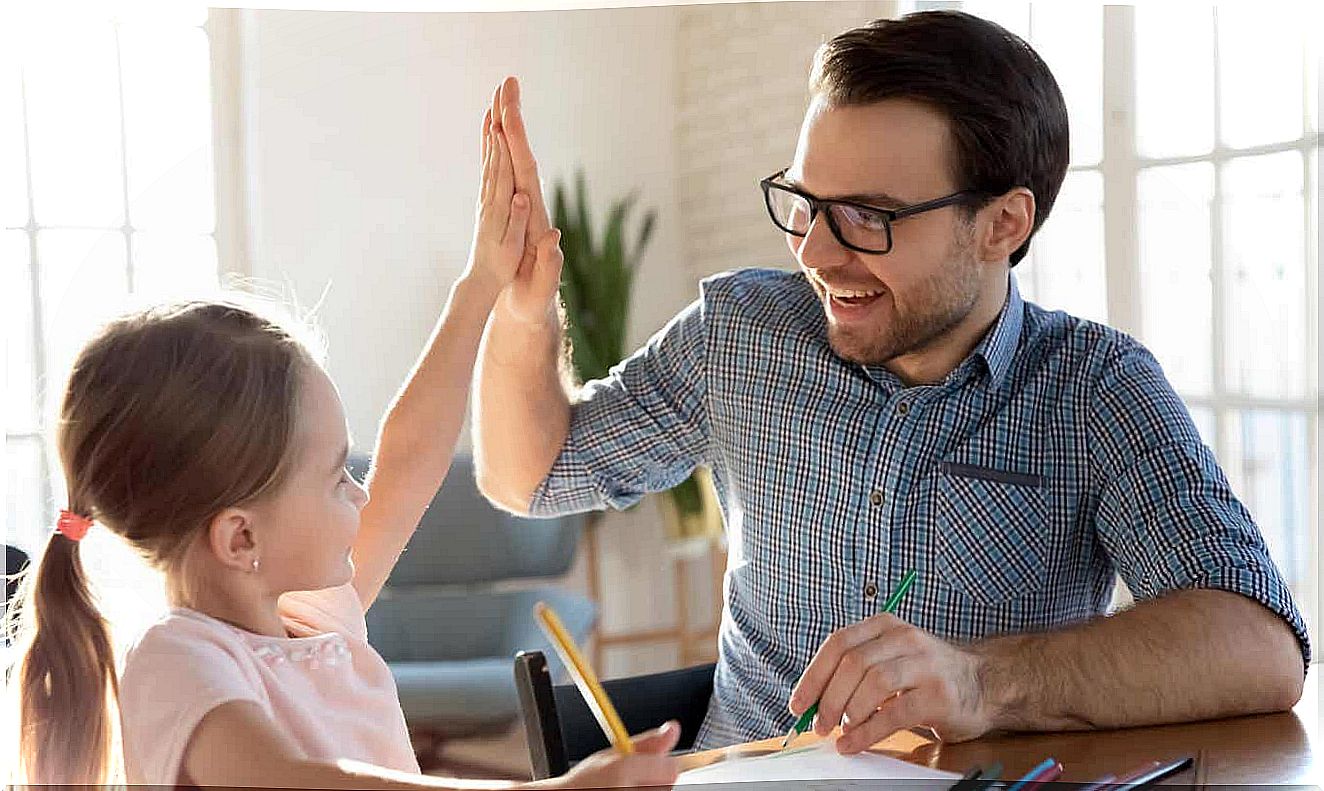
(807, 719)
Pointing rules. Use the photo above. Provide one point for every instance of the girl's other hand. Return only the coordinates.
(651, 764)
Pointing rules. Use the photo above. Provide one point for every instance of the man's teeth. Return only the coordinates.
(848, 294)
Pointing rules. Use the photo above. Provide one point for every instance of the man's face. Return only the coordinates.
(895, 152)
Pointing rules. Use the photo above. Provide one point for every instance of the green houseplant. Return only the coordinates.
(596, 281)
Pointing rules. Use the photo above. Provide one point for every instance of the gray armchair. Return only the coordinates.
(449, 620)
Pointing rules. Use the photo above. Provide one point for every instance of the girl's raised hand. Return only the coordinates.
(502, 215)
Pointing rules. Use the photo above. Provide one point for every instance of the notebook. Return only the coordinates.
(817, 768)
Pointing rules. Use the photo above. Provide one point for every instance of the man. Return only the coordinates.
(895, 405)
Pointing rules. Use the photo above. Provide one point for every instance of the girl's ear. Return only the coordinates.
(231, 540)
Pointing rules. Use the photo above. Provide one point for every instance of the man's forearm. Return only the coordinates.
(1189, 655)
(522, 409)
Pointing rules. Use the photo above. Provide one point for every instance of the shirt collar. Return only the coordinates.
(998, 346)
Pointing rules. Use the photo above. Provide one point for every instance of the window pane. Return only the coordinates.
(1265, 286)
(83, 282)
(13, 171)
(1203, 417)
(1067, 252)
(1261, 71)
(131, 596)
(25, 513)
(167, 119)
(1070, 40)
(1272, 479)
(20, 373)
(170, 266)
(1174, 93)
(1013, 16)
(74, 126)
(1175, 263)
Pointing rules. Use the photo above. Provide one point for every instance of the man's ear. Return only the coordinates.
(1007, 222)
(231, 540)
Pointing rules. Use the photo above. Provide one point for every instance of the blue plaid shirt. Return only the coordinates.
(1053, 457)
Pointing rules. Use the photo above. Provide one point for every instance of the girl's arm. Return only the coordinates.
(270, 760)
(417, 437)
(237, 746)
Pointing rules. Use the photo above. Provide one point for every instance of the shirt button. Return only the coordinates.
(876, 497)
(870, 591)
(903, 408)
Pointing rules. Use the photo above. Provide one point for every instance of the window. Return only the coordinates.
(106, 191)
(1188, 219)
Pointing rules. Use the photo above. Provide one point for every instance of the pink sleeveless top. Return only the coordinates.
(326, 687)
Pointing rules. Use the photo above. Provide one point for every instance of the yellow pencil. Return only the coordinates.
(585, 679)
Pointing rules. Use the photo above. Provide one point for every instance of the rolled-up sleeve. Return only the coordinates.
(1167, 514)
(642, 428)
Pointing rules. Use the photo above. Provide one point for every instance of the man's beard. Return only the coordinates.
(940, 303)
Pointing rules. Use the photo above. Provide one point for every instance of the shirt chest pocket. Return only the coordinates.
(991, 532)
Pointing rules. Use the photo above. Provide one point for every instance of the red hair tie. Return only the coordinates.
(73, 526)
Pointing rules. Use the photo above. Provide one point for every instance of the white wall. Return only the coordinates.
(744, 86)
(363, 146)
(359, 147)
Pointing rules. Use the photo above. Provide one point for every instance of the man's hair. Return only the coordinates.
(1007, 116)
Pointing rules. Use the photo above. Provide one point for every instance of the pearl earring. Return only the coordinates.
(255, 564)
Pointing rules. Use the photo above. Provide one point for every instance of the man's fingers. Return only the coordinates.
(858, 666)
(517, 225)
(512, 120)
(521, 153)
(505, 176)
(881, 681)
(550, 259)
(906, 710)
(823, 666)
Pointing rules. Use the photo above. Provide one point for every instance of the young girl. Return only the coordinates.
(212, 441)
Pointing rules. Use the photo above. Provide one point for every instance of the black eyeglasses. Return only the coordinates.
(857, 226)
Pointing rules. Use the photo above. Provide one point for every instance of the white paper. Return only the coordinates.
(818, 768)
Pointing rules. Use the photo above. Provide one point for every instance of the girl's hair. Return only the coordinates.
(171, 414)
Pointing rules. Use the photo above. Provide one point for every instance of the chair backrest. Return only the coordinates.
(561, 729)
(15, 561)
(431, 625)
(462, 539)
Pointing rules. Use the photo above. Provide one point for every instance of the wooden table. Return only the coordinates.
(1270, 749)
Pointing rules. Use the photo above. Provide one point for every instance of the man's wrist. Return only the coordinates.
(541, 324)
(994, 668)
(517, 340)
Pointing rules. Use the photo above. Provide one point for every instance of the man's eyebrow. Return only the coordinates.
(880, 199)
(344, 457)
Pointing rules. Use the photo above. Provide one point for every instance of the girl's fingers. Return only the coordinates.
(659, 740)
(487, 129)
(502, 187)
(490, 171)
